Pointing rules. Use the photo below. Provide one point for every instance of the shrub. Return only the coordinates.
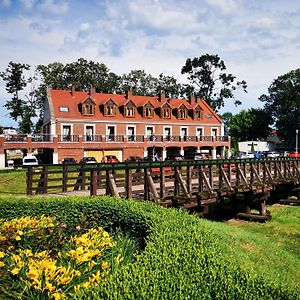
(181, 258)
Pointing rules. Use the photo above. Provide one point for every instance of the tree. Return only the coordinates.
(227, 117)
(169, 85)
(252, 124)
(21, 108)
(210, 81)
(139, 83)
(283, 105)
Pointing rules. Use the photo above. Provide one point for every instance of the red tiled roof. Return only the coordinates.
(64, 98)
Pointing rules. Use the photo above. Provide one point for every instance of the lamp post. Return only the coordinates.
(297, 131)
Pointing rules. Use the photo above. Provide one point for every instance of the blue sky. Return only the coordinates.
(258, 40)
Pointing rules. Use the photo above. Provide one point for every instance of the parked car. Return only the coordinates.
(109, 159)
(273, 154)
(30, 160)
(174, 156)
(294, 154)
(88, 160)
(193, 156)
(69, 160)
(134, 159)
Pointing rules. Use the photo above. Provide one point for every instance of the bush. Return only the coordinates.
(181, 257)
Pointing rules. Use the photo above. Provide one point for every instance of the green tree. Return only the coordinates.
(252, 124)
(139, 82)
(283, 105)
(169, 85)
(207, 75)
(227, 116)
(22, 108)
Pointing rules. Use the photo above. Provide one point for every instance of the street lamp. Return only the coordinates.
(297, 131)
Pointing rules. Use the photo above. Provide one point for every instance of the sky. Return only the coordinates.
(258, 40)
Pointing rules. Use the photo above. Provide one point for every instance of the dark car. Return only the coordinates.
(68, 160)
(110, 159)
(174, 156)
(193, 156)
(88, 160)
(134, 159)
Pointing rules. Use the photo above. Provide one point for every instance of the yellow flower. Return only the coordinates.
(2, 254)
(15, 271)
(58, 296)
(20, 232)
(105, 265)
(2, 238)
(118, 259)
(17, 238)
(2, 264)
(27, 252)
(33, 273)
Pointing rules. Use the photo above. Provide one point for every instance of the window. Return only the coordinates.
(150, 133)
(166, 113)
(183, 132)
(148, 112)
(110, 108)
(89, 133)
(129, 112)
(64, 109)
(111, 133)
(66, 133)
(197, 114)
(199, 133)
(167, 133)
(131, 133)
(88, 108)
(182, 113)
(214, 132)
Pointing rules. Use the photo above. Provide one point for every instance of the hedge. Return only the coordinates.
(181, 258)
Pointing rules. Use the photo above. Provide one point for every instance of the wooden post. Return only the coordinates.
(176, 183)
(83, 180)
(65, 178)
(45, 180)
(162, 183)
(29, 181)
(189, 179)
(93, 183)
(146, 185)
(128, 182)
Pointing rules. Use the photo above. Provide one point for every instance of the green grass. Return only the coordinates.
(13, 183)
(271, 248)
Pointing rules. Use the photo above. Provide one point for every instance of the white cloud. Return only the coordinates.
(28, 4)
(54, 7)
(84, 26)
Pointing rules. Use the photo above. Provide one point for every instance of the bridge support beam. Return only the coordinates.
(55, 158)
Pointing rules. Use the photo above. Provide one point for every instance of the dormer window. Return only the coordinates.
(129, 110)
(110, 108)
(182, 113)
(165, 112)
(197, 114)
(88, 108)
(148, 111)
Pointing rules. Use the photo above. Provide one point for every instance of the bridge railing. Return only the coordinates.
(157, 181)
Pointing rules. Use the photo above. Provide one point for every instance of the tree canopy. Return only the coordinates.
(208, 77)
(283, 105)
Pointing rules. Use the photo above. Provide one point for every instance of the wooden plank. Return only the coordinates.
(205, 180)
(151, 186)
(128, 183)
(242, 176)
(112, 185)
(225, 178)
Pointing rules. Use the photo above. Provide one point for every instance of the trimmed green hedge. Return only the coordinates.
(181, 258)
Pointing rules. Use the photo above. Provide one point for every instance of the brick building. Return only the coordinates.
(78, 124)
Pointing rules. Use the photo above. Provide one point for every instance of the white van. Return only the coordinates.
(30, 160)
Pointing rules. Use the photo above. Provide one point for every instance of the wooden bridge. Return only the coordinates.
(247, 183)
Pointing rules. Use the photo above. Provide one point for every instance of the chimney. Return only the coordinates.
(92, 91)
(72, 89)
(128, 93)
(161, 96)
(192, 99)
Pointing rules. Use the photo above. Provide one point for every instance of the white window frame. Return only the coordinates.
(146, 131)
(202, 129)
(212, 129)
(187, 131)
(164, 129)
(94, 131)
(127, 134)
(62, 130)
(107, 133)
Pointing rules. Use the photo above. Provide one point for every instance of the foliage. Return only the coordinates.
(21, 109)
(210, 81)
(283, 104)
(252, 124)
(39, 260)
(183, 258)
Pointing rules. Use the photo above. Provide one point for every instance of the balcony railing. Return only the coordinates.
(68, 138)
(115, 138)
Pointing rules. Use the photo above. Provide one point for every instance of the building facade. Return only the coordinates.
(79, 124)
